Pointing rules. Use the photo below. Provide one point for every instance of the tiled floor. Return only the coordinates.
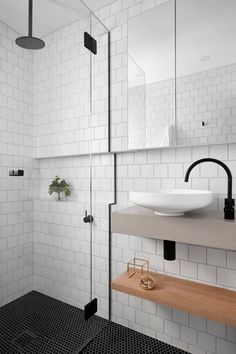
(116, 339)
(36, 323)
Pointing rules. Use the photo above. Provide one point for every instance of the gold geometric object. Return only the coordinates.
(137, 263)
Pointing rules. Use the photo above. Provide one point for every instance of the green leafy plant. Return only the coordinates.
(58, 186)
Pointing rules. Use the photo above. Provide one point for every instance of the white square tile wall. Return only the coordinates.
(149, 171)
(61, 93)
(64, 121)
(207, 96)
(16, 88)
(62, 239)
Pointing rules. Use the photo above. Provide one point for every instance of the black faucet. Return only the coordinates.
(229, 202)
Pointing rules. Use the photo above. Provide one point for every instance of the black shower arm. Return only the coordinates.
(30, 23)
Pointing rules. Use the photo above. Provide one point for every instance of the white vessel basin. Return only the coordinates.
(172, 202)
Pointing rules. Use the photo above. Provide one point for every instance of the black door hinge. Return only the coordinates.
(90, 309)
(90, 43)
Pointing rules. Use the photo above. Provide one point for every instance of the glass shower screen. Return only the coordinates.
(71, 125)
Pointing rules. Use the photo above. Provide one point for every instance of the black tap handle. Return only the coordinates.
(87, 218)
(229, 209)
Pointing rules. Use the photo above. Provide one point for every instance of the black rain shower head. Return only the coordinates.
(30, 42)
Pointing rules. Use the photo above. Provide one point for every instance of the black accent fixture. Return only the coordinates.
(87, 218)
(110, 237)
(90, 309)
(203, 123)
(30, 19)
(16, 173)
(169, 246)
(109, 92)
(90, 43)
(114, 186)
(20, 173)
(229, 202)
(30, 42)
(169, 250)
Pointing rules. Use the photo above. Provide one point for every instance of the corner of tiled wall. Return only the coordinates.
(16, 254)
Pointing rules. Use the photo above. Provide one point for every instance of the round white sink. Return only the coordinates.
(172, 202)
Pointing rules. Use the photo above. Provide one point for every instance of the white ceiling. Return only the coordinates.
(15, 14)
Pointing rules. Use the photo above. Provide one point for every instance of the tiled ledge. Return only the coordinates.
(68, 201)
(205, 228)
(70, 206)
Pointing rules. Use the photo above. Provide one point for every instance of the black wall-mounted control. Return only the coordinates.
(16, 173)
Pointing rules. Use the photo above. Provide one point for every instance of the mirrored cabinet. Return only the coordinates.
(151, 73)
(182, 74)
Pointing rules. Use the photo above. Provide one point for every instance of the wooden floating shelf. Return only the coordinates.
(202, 300)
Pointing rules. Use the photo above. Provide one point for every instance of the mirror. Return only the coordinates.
(206, 71)
(151, 78)
(182, 74)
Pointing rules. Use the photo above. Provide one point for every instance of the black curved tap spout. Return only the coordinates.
(229, 201)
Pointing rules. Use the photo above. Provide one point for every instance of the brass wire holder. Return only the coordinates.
(146, 280)
(137, 263)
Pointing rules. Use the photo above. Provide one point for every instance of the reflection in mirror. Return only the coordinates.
(206, 71)
(151, 78)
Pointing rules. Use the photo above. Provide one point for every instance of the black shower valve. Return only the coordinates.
(87, 218)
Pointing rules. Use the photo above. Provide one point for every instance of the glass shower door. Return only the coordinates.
(95, 275)
(75, 271)
(101, 168)
(96, 41)
(95, 269)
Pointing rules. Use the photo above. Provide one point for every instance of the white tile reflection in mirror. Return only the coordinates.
(205, 75)
(151, 84)
(206, 72)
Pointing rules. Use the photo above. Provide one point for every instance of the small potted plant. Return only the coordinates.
(59, 186)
